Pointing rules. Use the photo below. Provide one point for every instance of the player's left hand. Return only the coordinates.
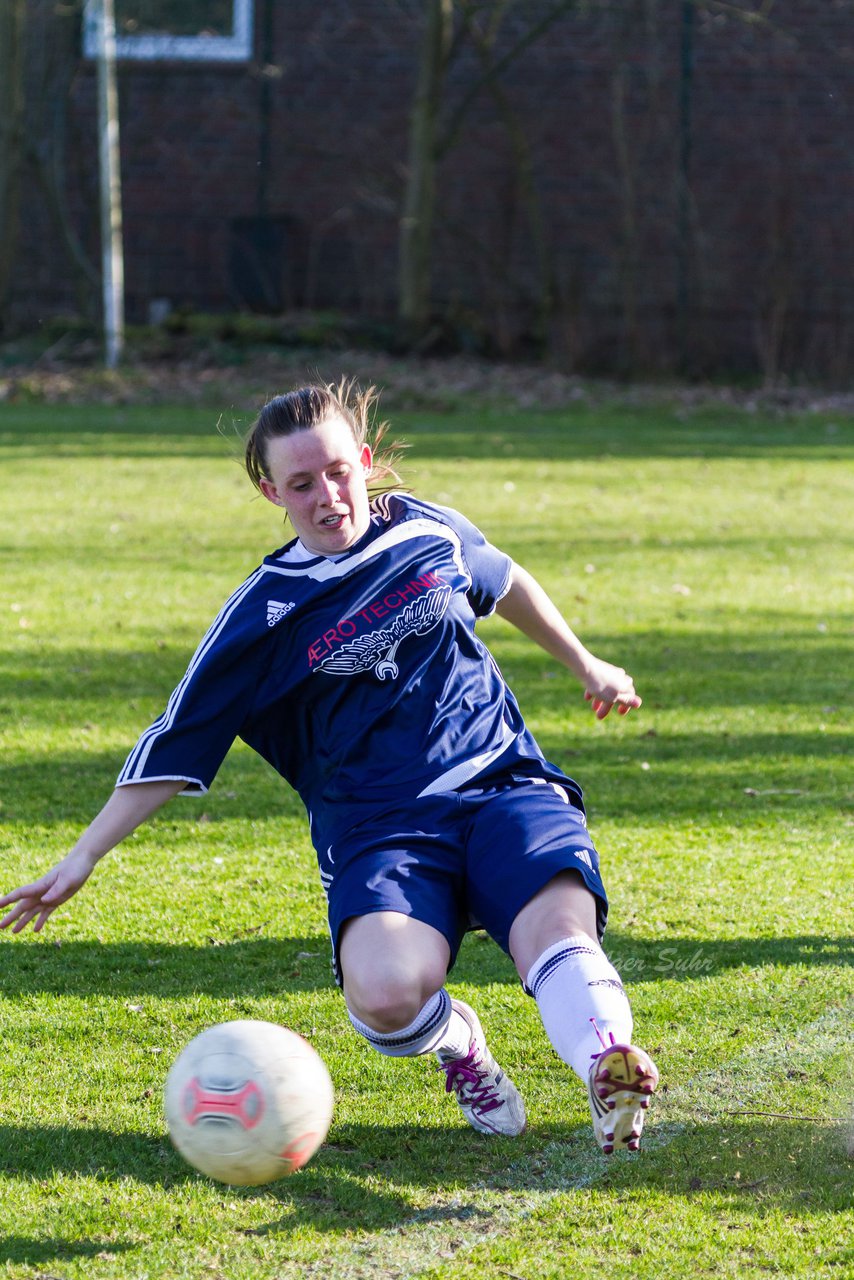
(607, 686)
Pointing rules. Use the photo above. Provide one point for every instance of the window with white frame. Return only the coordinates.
(175, 30)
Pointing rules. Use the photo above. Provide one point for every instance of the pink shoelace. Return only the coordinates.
(465, 1077)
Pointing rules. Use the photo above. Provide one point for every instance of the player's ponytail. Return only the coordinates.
(308, 407)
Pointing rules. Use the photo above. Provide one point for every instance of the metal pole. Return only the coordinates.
(683, 262)
(113, 281)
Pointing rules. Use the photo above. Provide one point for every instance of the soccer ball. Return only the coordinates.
(248, 1102)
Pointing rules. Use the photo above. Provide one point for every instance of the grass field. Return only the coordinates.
(707, 551)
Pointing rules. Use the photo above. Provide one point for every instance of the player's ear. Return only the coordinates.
(269, 491)
(367, 459)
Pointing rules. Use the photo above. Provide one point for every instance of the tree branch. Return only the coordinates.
(446, 141)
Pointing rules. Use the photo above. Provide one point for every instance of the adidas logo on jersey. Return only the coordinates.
(276, 610)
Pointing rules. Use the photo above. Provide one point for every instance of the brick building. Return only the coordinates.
(658, 183)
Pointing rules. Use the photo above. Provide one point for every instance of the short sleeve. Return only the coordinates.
(205, 713)
(489, 568)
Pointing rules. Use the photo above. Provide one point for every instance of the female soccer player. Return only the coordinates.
(349, 661)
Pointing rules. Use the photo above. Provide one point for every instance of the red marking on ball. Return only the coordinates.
(299, 1150)
(245, 1105)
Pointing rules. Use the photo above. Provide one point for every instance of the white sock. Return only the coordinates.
(572, 982)
(438, 1028)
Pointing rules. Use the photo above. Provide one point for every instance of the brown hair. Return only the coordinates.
(308, 407)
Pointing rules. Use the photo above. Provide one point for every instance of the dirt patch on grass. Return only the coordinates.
(243, 382)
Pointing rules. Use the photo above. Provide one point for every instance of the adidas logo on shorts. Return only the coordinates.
(276, 610)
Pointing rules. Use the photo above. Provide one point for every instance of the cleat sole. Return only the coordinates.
(621, 1083)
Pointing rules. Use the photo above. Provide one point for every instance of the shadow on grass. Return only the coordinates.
(784, 659)
(362, 1177)
(35, 1251)
(65, 691)
(43, 1151)
(261, 968)
(714, 779)
(575, 434)
(67, 786)
(40, 1152)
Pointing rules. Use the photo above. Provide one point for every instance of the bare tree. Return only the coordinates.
(436, 124)
(416, 225)
(483, 29)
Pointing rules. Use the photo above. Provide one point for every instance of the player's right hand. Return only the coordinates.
(607, 686)
(37, 901)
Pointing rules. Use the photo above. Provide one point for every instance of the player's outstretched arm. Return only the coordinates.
(126, 808)
(527, 606)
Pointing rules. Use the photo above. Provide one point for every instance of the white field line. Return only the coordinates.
(454, 1223)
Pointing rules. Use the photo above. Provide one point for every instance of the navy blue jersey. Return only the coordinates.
(359, 677)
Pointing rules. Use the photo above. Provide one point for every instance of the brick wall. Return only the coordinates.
(723, 245)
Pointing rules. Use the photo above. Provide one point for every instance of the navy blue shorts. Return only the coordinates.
(463, 859)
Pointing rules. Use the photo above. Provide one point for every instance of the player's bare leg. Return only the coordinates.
(394, 970)
(563, 908)
(584, 1008)
(391, 965)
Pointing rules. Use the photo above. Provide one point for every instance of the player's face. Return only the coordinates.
(320, 476)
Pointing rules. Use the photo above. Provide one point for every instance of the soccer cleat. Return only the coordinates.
(621, 1082)
(488, 1099)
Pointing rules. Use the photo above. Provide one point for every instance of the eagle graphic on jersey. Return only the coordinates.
(377, 649)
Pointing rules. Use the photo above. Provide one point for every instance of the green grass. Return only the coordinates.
(710, 553)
